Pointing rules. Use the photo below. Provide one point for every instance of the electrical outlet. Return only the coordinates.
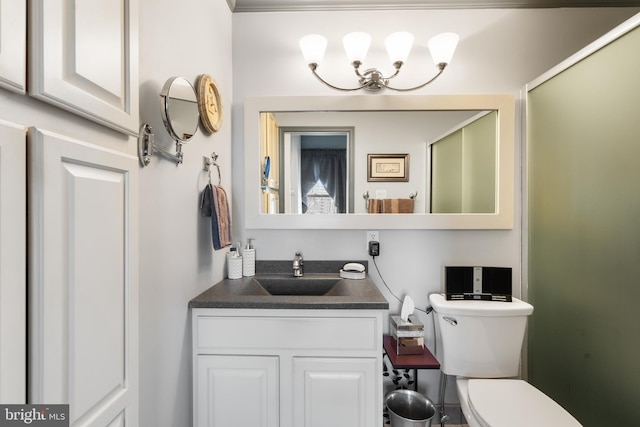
(372, 236)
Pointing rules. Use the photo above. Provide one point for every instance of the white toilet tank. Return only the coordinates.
(480, 339)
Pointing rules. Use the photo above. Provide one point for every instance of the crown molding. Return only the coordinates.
(333, 5)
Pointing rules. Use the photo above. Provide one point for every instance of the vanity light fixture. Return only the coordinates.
(398, 47)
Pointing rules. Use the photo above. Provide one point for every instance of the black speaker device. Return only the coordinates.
(478, 283)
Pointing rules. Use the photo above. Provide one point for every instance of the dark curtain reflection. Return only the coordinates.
(330, 168)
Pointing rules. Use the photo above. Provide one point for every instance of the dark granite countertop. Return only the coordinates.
(248, 293)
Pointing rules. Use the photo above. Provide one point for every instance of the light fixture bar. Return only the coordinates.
(441, 46)
(441, 68)
(313, 67)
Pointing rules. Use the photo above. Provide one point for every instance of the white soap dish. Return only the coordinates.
(352, 274)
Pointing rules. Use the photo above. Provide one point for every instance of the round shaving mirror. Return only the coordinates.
(179, 109)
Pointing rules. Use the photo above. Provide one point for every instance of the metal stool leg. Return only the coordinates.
(443, 386)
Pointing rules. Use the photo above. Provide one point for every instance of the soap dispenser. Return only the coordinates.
(249, 259)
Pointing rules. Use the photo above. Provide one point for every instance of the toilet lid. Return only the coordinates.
(509, 403)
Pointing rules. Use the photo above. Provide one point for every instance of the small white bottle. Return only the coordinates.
(249, 259)
(234, 264)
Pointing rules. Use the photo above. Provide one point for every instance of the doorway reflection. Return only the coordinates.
(316, 175)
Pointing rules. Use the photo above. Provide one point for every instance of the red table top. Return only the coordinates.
(426, 360)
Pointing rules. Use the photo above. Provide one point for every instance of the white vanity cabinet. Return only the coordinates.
(286, 368)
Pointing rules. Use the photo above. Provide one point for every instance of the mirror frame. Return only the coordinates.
(502, 219)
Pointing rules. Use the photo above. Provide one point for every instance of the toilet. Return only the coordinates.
(480, 344)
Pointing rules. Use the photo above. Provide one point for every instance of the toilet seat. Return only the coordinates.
(509, 403)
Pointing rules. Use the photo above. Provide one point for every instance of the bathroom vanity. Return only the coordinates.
(295, 352)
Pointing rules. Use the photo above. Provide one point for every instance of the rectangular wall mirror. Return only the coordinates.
(306, 162)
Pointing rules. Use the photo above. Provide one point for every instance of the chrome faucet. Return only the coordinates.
(298, 262)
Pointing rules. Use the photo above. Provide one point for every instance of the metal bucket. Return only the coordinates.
(409, 408)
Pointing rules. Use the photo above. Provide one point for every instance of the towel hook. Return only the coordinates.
(207, 162)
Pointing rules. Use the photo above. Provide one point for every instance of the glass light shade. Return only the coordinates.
(356, 45)
(399, 45)
(442, 47)
(313, 47)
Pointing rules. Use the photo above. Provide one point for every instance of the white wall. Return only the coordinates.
(177, 260)
(499, 52)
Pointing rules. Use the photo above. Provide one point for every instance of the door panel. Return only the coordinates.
(334, 392)
(83, 279)
(13, 213)
(13, 45)
(236, 391)
(84, 58)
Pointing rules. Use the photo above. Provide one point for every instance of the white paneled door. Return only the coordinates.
(84, 58)
(83, 279)
(13, 45)
(13, 214)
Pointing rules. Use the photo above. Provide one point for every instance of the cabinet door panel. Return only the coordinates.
(336, 392)
(84, 58)
(13, 44)
(83, 279)
(13, 281)
(236, 391)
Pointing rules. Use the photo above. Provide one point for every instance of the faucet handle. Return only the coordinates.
(297, 265)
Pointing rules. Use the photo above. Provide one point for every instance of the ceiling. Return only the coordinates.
(302, 5)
